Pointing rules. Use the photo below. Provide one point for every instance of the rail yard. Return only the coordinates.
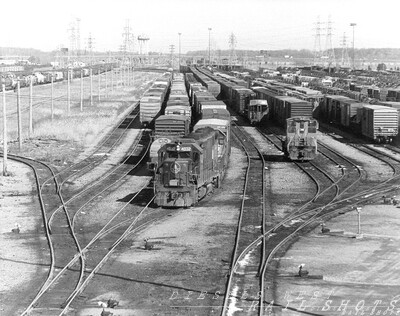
(200, 191)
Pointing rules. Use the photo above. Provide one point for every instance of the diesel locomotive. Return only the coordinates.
(190, 167)
(300, 142)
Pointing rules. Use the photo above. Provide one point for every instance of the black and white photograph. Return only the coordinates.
(200, 158)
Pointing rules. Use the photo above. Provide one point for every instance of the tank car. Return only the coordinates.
(300, 142)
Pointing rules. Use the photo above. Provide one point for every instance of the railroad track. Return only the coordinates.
(102, 151)
(56, 291)
(307, 216)
(60, 232)
(251, 224)
(352, 174)
(49, 198)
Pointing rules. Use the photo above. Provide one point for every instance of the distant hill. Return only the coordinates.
(370, 54)
(40, 56)
(383, 54)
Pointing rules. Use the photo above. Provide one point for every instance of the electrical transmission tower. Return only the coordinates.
(171, 50)
(90, 47)
(317, 42)
(78, 37)
(74, 38)
(329, 51)
(213, 54)
(232, 52)
(345, 53)
(127, 39)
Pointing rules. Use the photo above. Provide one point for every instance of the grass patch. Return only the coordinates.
(72, 134)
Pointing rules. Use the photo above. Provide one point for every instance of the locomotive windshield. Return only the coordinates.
(179, 154)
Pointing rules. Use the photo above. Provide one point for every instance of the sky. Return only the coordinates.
(256, 24)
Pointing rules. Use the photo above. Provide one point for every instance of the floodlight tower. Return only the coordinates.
(209, 45)
(179, 56)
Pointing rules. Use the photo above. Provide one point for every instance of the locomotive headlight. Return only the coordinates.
(178, 147)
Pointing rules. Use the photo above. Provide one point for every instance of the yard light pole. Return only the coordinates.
(179, 55)
(359, 235)
(209, 45)
(353, 25)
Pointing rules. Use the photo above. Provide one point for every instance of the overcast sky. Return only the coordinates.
(257, 24)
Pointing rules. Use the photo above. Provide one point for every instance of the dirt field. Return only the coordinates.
(359, 275)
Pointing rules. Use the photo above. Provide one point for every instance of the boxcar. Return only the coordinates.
(379, 123)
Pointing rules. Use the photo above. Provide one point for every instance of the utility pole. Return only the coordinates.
(112, 80)
(68, 92)
(52, 96)
(353, 25)
(81, 90)
(209, 45)
(91, 86)
(3, 86)
(19, 115)
(129, 71)
(98, 73)
(30, 107)
(106, 92)
(121, 72)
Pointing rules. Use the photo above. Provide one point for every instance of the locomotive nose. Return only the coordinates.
(175, 167)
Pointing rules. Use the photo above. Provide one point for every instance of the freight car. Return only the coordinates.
(300, 142)
(375, 122)
(379, 123)
(153, 100)
(212, 86)
(175, 122)
(191, 166)
(239, 97)
(287, 107)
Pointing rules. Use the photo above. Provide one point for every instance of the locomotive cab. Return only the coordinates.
(258, 109)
